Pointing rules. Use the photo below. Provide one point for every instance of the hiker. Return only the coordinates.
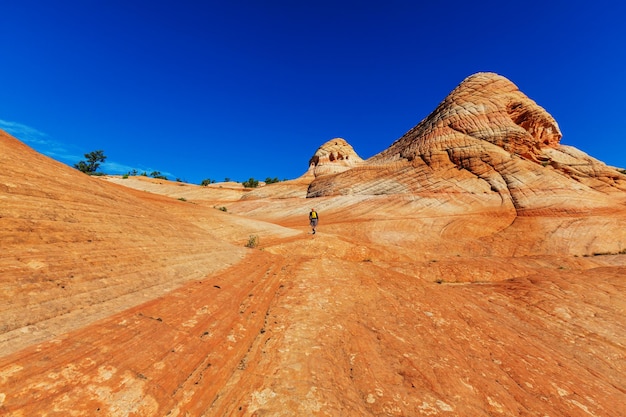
(313, 218)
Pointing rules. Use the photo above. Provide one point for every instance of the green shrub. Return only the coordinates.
(92, 163)
(251, 183)
(253, 241)
(157, 174)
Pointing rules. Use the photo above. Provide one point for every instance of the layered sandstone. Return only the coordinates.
(486, 137)
(430, 289)
(333, 157)
(485, 107)
(75, 249)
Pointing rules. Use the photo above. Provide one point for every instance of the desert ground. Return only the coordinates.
(427, 290)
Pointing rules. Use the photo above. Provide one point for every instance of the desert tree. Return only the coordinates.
(157, 174)
(92, 162)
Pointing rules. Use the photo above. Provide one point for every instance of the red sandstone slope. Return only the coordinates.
(75, 249)
(421, 295)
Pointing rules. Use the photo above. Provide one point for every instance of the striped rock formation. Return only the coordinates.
(474, 268)
(333, 157)
(488, 138)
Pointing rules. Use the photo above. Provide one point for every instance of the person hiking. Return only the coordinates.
(313, 218)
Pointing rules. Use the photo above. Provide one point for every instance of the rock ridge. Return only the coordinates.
(487, 107)
(485, 137)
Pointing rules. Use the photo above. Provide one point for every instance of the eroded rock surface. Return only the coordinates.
(440, 282)
(333, 157)
(486, 137)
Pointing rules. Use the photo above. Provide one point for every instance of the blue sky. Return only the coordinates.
(240, 89)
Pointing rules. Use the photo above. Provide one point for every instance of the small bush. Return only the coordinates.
(158, 175)
(251, 183)
(253, 241)
(224, 209)
(182, 199)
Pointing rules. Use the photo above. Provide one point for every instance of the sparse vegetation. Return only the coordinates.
(253, 241)
(157, 174)
(269, 180)
(92, 163)
(182, 199)
(207, 181)
(251, 183)
(223, 208)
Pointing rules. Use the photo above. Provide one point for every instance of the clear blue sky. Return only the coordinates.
(240, 89)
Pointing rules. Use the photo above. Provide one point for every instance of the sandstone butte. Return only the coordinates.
(475, 267)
